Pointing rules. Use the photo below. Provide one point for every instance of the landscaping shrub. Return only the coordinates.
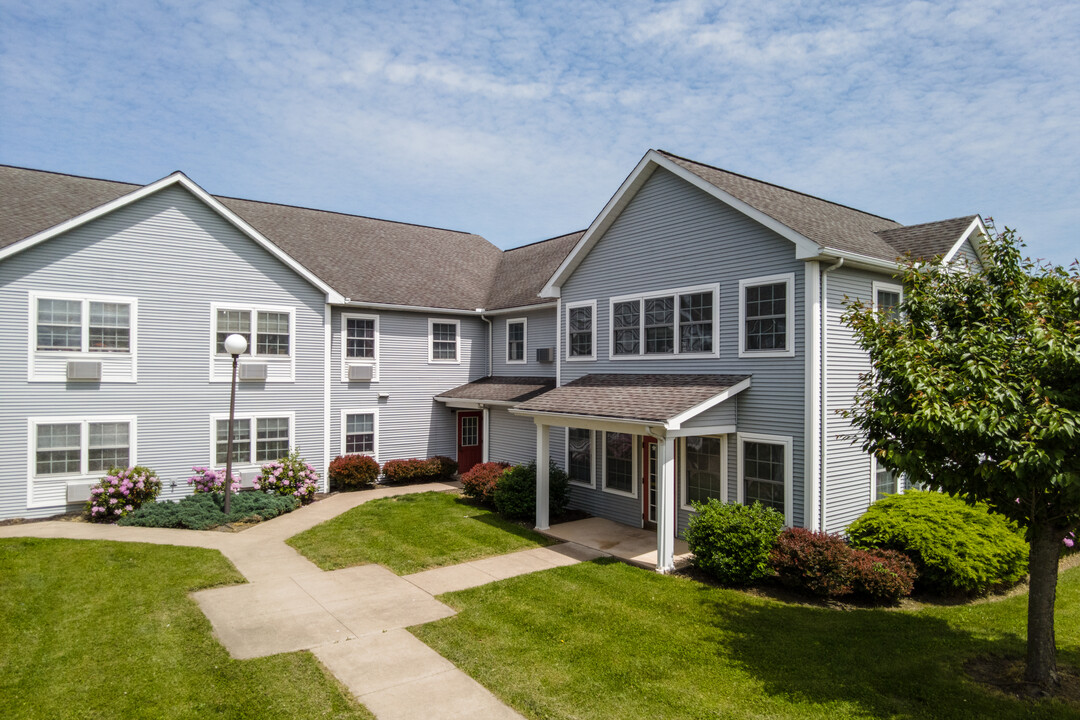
(479, 481)
(732, 542)
(208, 480)
(289, 476)
(956, 547)
(353, 471)
(122, 491)
(515, 491)
(203, 511)
(823, 564)
(432, 469)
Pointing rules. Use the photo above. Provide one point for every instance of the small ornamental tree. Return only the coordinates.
(974, 390)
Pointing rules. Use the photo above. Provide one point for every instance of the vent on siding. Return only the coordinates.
(545, 355)
(252, 371)
(84, 370)
(361, 372)
(78, 492)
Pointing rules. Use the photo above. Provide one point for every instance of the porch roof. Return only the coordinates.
(666, 399)
(499, 390)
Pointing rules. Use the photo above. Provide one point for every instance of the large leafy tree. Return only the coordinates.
(975, 391)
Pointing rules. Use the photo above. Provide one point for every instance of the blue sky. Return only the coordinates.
(518, 121)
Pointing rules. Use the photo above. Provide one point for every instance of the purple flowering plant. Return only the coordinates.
(289, 476)
(121, 492)
(208, 480)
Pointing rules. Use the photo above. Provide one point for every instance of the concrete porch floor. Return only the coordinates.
(633, 545)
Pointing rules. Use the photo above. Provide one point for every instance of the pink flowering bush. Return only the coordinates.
(208, 480)
(289, 476)
(122, 492)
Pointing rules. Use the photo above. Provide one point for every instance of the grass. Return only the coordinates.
(410, 533)
(95, 629)
(604, 640)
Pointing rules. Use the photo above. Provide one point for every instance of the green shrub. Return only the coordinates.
(956, 547)
(122, 492)
(515, 491)
(289, 476)
(353, 471)
(479, 482)
(732, 542)
(203, 511)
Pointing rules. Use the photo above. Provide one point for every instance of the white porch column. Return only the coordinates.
(665, 505)
(543, 434)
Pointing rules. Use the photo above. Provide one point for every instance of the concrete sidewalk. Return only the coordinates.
(352, 619)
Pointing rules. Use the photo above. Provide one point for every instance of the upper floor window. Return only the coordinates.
(83, 325)
(887, 298)
(767, 316)
(272, 328)
(359, 347)
(81, 446)
(360, 337)
(581, 331)
(515, 340)
(676, 322)
(443, 340)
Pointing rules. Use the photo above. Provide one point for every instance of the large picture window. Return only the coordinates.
(619, 463)
(767, 316)
(673, 322)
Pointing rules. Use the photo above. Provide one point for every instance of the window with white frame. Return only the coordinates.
(359, 344)
(670, 322)
(704, 469)
(68, 447)
(71, 324)
(359, 433)
(887, 298)
(255, 439)
(515, 340)
(767, 316)
(272, 330)
(619, 463)
(581, 331)
(579, 457)
(886, 481)
(765, 473)
(443, 340)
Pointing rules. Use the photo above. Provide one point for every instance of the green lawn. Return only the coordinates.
(94, 629)
(604, 640)
(410, 533)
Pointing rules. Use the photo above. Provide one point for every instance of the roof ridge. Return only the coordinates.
(73, 175)
(540, 242)
(930, 222)
(771, 184)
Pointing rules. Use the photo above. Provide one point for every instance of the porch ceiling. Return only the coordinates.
(499, 390)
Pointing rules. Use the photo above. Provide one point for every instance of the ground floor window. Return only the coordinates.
(619, 463)
(77, 446)
(765, 473)
(579, 455)
(704, 469)
(255, 439)
(360, 433)
(886, 482)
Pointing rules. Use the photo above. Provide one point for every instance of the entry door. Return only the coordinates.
(470, 433)
(650, 467)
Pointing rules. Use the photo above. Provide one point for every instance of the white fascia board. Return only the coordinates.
(594, 422)
(349, 303)
(522, 308)
(855, 260)
(675, 422)
(466, 404)
(976, 225)
(177, 178)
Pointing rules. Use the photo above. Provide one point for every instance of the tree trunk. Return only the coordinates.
(1043, 568)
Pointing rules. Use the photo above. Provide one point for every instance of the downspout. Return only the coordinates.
(825, 381)
(491, 350)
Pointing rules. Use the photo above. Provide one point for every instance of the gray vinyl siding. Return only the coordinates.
(513, 439)
(539, 333)
(673, 235)
(967, 254)
(411, 422)
(175, 256)
(595, 500)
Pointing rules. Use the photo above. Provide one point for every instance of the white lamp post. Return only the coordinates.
(235, 345)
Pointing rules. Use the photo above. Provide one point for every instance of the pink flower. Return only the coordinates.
(128, 508)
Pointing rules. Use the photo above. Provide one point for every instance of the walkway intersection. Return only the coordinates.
(352, 619)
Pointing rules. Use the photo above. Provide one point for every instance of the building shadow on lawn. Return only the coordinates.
(892, 664)
(495, 520)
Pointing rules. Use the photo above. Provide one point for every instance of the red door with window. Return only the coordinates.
(470, 433)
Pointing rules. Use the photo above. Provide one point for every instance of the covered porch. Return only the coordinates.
(658, 410)
(636, 546)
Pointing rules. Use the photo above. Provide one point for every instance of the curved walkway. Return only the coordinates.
(352, 619)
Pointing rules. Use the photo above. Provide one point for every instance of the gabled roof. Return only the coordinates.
(523, 271)
(932, 239)
(499, 389)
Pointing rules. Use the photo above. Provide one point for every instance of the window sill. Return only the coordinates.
(666, 356)
(621, 493)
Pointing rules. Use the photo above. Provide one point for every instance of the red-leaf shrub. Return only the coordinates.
(354, 470)
(447, 467)
(817, 562)
(432, 469)
(479, 482)
(883, 576)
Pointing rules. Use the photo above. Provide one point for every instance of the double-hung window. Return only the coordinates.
(515, 340)
(619, 475)
(70, 447)
(359, 432)
(443, 341)
(359, 344)
(256, 439)
(704, 469)
(272, 337)
(579, 457)
(673, 322)
(885, 481)
(581, 331)
(887, 298)
(83, 325)
(767, 316)
(765, 473)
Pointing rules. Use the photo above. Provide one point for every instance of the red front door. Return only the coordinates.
(470, 434)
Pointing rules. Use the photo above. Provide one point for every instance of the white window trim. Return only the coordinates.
(683, 504)
(786, 440)
(220, 367)
(524, 341)
(714, 288)
(130, 356)
(346, 361)
(592, 459)
(431, 341)
(251, 464)
(873, 476)
(374, 412)
(84, 449)
(789, 350)
(566, 335)
(887, 287)
(635, 479)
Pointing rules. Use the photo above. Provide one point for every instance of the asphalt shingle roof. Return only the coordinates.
(501, 389)
(927, 240)
(632, 397)
(523, 271)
